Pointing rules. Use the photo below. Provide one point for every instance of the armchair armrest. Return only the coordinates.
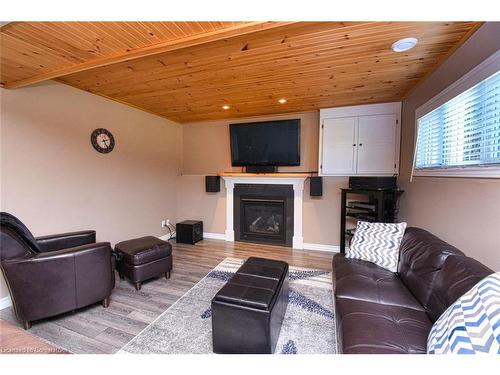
(77, 251)
(54, 282)
(65, 240)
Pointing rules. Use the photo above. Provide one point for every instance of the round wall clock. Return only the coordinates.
(102, 140)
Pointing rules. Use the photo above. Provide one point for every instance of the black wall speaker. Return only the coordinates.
(316, 186)
(212, 184)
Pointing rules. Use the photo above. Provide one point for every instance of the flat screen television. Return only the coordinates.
(268, 143)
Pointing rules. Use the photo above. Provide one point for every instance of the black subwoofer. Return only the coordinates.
(316, 186)
(189, 231)
(212, 184)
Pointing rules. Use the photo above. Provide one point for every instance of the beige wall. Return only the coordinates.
(463, 211)
(206, 151)
(54, 181)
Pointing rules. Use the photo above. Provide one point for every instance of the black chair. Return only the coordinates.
(50, 275)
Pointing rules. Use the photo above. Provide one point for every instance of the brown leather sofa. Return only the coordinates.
(50, 275)
(383, 312)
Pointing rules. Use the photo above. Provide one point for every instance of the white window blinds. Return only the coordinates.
(464, 131)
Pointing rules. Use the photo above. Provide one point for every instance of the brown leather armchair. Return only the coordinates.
(50, 275)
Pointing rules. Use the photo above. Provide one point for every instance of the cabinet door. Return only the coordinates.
(339, 146)
(377, 144)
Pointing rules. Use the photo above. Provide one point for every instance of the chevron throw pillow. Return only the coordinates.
(377, 243)
(472, 324)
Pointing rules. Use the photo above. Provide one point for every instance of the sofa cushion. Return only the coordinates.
(421, 258)
(458, 275)
(373, 328)
(378, 243)
(365, 281)
(472, 324)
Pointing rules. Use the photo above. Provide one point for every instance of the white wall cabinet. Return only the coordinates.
(340, 156)
(360, 140)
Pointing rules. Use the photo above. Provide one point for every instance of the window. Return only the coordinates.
(458, 132)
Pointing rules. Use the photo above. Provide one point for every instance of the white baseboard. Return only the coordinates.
(214, 236)
(5, 302)
(321, 247)
(207, 235)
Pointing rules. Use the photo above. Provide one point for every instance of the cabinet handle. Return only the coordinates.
(361, 144)
(354, 144)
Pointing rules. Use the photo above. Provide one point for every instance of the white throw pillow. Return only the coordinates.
(472, 324)
(377, 243)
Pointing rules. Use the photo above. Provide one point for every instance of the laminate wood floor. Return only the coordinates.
(98, 330)
(15, 340)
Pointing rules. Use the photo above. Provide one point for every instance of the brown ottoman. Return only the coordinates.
(143, 258)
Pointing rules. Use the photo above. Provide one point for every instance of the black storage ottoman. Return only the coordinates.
(248, 311)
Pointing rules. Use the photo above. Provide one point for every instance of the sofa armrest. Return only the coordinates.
(65, 240)
(54, 282)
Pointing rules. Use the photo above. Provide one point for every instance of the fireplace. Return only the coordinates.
(263, 219)
(263, 213)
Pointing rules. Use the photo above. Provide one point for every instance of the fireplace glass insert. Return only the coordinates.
(263, 219)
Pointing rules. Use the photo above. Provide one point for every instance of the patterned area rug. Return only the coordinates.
(186, 327)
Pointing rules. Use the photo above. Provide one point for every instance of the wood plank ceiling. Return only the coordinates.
(186, 71)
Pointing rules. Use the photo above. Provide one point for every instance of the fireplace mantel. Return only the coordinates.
(259, 175)
(294, 179)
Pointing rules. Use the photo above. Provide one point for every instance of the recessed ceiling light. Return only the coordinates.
(404, 44)
(225, 107)
(282, 101)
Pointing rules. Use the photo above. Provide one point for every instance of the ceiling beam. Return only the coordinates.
(195, 40)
